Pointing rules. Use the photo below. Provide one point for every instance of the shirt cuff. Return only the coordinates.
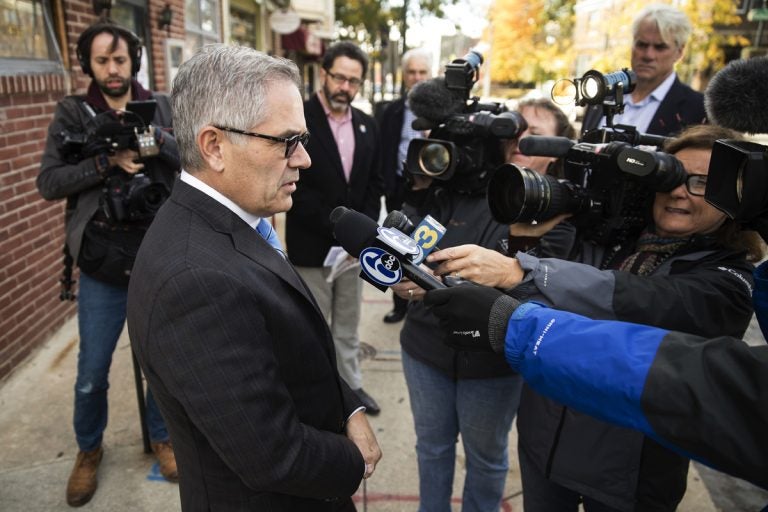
(361, 408)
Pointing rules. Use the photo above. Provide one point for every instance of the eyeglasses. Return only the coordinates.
(340, 79)
(291, 143)
(696, 184)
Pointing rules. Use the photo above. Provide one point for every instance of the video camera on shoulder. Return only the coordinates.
(463, 147)
(111, 131)
(611, 175)
(125, 197)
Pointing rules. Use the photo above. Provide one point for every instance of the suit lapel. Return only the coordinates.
(668, 109)
(321, 131)
(245, 240)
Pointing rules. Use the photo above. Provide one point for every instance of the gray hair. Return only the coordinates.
(417, 53)
(224, 85)
(674, 26)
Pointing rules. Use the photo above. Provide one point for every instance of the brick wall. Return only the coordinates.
(31, 229)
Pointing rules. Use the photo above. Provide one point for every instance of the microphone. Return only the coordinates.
(385, 254)
(735, 97)
(539, 145)
(426, 234)
(431, 100)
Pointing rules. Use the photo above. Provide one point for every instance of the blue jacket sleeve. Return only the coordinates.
(597, 367)
(704, 399)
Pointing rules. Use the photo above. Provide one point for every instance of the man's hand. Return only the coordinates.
(359, 431)
(127, 160)
(474, 317)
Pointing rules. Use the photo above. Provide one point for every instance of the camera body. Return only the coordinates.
(463, 149)
(125, 197)
(133, 198)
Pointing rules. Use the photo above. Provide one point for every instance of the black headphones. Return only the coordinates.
(85, 41)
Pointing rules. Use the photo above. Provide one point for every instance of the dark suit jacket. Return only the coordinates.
(391, 126)
(323, 187)
(681, 107)
(242, 364)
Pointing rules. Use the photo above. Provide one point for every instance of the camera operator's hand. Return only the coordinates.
(127, 160)
(537, 230)
(478, 264)
(474, 317)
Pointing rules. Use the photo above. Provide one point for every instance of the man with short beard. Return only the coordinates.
(345, 171)
(112, 195)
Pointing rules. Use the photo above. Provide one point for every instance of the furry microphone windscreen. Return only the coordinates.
(737, 96)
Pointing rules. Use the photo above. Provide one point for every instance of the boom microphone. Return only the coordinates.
(735, 97)
(431, 100)
(539, 145)
(385, 253)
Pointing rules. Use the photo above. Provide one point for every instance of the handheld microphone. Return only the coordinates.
(735, 97)
(539, 145)
(386, 254)
(432, 101)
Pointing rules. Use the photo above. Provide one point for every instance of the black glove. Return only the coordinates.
(474, 317)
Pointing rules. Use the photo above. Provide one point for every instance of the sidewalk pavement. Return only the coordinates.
(38, 446)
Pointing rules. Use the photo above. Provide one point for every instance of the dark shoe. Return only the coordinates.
(394, 316)
(167, 460)
(82, 481)
(371, 407)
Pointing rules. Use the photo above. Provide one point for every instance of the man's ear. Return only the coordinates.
(681, 53)
(210, 143)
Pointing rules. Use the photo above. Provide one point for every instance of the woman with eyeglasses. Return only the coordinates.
(690, 270)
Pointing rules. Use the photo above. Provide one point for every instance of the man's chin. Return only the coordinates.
(115, 92)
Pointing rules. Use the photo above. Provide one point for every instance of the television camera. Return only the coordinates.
(463, 146)
(125, 197)
(609, 182)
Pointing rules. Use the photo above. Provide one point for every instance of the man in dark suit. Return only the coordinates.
(660, 103)
(396, 133)
(229, 337)
(344, 172)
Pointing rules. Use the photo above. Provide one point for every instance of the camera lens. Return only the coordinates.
(434, 159)
(518, 194)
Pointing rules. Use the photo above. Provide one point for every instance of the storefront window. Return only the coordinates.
(27, 42)
(202, 24)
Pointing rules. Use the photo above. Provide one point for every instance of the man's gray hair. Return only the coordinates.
(224, 85)
(673, 24)
(420, 53)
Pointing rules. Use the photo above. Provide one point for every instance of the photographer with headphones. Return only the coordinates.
(112, 155)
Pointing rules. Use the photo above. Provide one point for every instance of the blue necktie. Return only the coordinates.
(269, 234)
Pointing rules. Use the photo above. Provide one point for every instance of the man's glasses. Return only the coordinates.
(340, 79)
(291, 143)
(696, 184)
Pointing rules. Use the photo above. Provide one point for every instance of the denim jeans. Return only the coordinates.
(481, 410)
(101, 316)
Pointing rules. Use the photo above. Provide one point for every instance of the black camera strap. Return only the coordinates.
(68, 261)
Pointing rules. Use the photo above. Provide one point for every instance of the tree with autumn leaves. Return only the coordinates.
(534, 40)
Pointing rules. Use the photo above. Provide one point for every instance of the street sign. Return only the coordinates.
(758, 14)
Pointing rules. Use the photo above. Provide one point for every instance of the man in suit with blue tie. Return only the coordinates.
(345, 171)
(229, 337)
(660, 104)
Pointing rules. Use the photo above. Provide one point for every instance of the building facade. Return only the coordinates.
(38, 67)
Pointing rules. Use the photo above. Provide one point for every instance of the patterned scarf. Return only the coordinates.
(651, 251)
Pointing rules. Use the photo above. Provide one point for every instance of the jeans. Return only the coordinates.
(101, 316)
(481, 410)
